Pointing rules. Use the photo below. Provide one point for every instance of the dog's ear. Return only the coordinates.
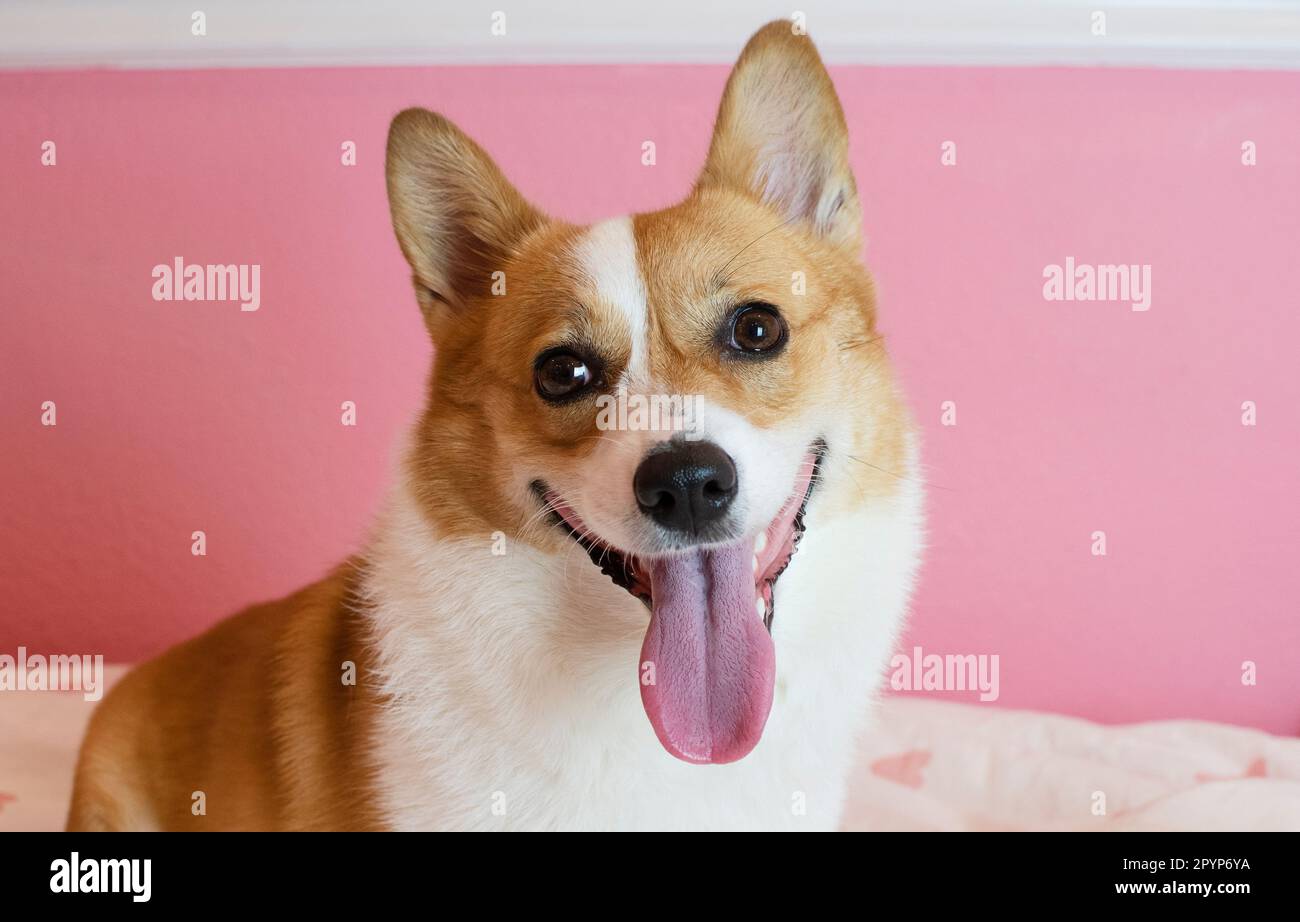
(455, 214)
(780, 135)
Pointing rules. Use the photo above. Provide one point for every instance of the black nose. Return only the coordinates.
(686, 487)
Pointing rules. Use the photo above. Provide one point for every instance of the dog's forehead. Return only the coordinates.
(646, 272)
(685, 250)
(647, 290)
(696, 239)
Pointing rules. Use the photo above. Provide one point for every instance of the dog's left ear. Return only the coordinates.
(780, 135)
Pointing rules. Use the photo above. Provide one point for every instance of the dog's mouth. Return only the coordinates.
(708, 665)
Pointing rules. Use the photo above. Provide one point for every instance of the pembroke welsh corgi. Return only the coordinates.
(572, 615)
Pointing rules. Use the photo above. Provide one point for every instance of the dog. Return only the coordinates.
(562, 625)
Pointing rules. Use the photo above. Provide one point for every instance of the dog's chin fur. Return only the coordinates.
(512, 692)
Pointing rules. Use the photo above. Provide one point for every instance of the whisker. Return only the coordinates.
(720, 273)
(859, 343)
(626, 446)
(895, 474)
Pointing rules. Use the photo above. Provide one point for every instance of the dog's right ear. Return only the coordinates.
(455, 214)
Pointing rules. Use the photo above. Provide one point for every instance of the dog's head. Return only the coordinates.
(669, 390)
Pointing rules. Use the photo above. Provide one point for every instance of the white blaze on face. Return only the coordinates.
(767, 461)
(607, 257)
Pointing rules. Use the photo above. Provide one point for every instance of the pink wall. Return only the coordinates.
(1072, 417)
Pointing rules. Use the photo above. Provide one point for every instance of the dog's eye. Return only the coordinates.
(757, 328)
(562, 374)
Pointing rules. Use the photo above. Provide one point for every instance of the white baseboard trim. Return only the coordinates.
(1192, 34)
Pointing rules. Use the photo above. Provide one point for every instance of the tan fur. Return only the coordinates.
(253, 713)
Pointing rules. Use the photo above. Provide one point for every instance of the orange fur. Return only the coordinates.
(254, 714)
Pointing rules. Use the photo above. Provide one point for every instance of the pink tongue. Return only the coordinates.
(714, 663)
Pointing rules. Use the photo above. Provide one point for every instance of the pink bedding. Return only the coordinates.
(927, 765)
(939, 765)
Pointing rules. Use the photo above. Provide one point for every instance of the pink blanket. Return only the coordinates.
(938, 765)
(926, 765)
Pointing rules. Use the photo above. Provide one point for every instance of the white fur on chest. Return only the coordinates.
(513, 684)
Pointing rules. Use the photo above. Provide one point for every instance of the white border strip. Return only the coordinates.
(1193, 34)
